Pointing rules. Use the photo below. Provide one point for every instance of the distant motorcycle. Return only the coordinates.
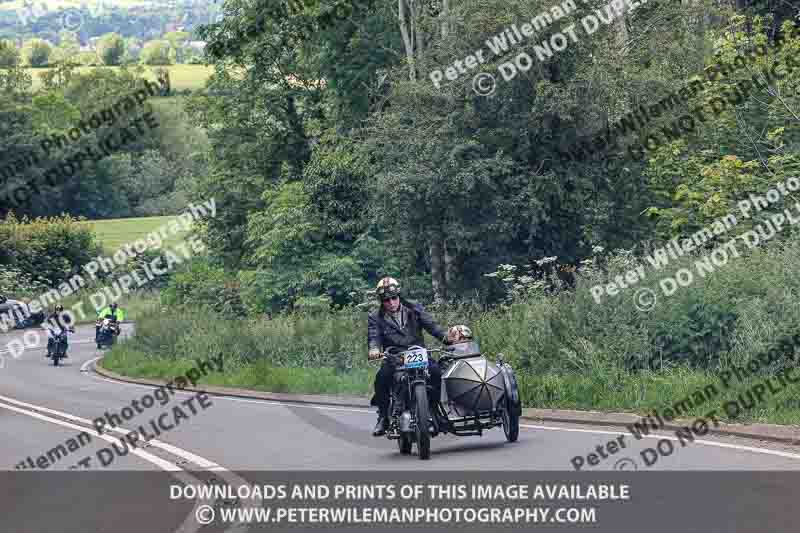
(60, 346)
(107, 332)
(476, 395)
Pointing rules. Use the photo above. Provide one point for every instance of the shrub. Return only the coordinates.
(47, 250)
(204, 285)
(36, 52)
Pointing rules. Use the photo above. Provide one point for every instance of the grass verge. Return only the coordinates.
(259, 376)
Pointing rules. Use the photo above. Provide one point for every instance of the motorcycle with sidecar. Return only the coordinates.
(476, 395)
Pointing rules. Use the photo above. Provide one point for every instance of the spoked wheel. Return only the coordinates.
(510, 424)
(404, 442)
(423, 428)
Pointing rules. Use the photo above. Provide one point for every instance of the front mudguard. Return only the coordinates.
(512, 390)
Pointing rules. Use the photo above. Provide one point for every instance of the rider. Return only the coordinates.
(116, 315)
(55, 318)
(398, 323)
(459, 334)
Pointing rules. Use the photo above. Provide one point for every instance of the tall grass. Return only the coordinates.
(137, 304)
(569, 351)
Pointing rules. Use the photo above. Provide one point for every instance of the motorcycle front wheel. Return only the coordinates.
(404, 443)
(510, 424)
(422, 416)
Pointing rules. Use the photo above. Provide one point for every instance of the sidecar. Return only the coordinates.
(478, 394)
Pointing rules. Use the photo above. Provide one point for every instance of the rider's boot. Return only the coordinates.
(382, 425)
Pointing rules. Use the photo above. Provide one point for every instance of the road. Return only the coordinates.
(42, 406)
(90, 482)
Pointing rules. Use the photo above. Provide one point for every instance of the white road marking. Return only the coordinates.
(85, 366)
(765, 451)
(161, 463)
(183, 454)
(189, 525)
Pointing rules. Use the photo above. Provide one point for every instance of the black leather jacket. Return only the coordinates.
(383, 332)
(55, 320)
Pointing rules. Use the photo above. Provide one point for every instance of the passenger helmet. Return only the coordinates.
(459, 333)
(387, 288)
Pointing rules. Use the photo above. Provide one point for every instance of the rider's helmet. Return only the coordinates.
(114, 306)
(458, 334)
(387, 288)
(59, 308)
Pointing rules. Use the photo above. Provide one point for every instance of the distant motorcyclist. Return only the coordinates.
(117, 314)
(56, 320)
(114, 313)
(398, 323)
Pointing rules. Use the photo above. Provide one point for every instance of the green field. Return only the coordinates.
(181, 77)
(114, 233)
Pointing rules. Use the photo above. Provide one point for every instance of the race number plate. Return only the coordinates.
(416, 358)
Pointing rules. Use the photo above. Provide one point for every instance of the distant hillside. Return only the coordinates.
(24, 19)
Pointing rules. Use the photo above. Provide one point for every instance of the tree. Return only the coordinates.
(158, 53)
(9, 55)
(178, 40)
(133, 48)
(110, 49)
(36, 52)
(68, 46)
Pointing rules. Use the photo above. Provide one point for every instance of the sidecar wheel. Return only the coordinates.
(510, 425)
(404, 442)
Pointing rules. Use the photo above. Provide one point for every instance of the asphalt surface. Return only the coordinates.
(42, 406)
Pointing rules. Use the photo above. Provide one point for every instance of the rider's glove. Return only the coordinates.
(374, 354)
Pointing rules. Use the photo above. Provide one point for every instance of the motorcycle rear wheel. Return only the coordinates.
(422, 416)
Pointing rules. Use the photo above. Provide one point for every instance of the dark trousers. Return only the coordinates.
(384, 380)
